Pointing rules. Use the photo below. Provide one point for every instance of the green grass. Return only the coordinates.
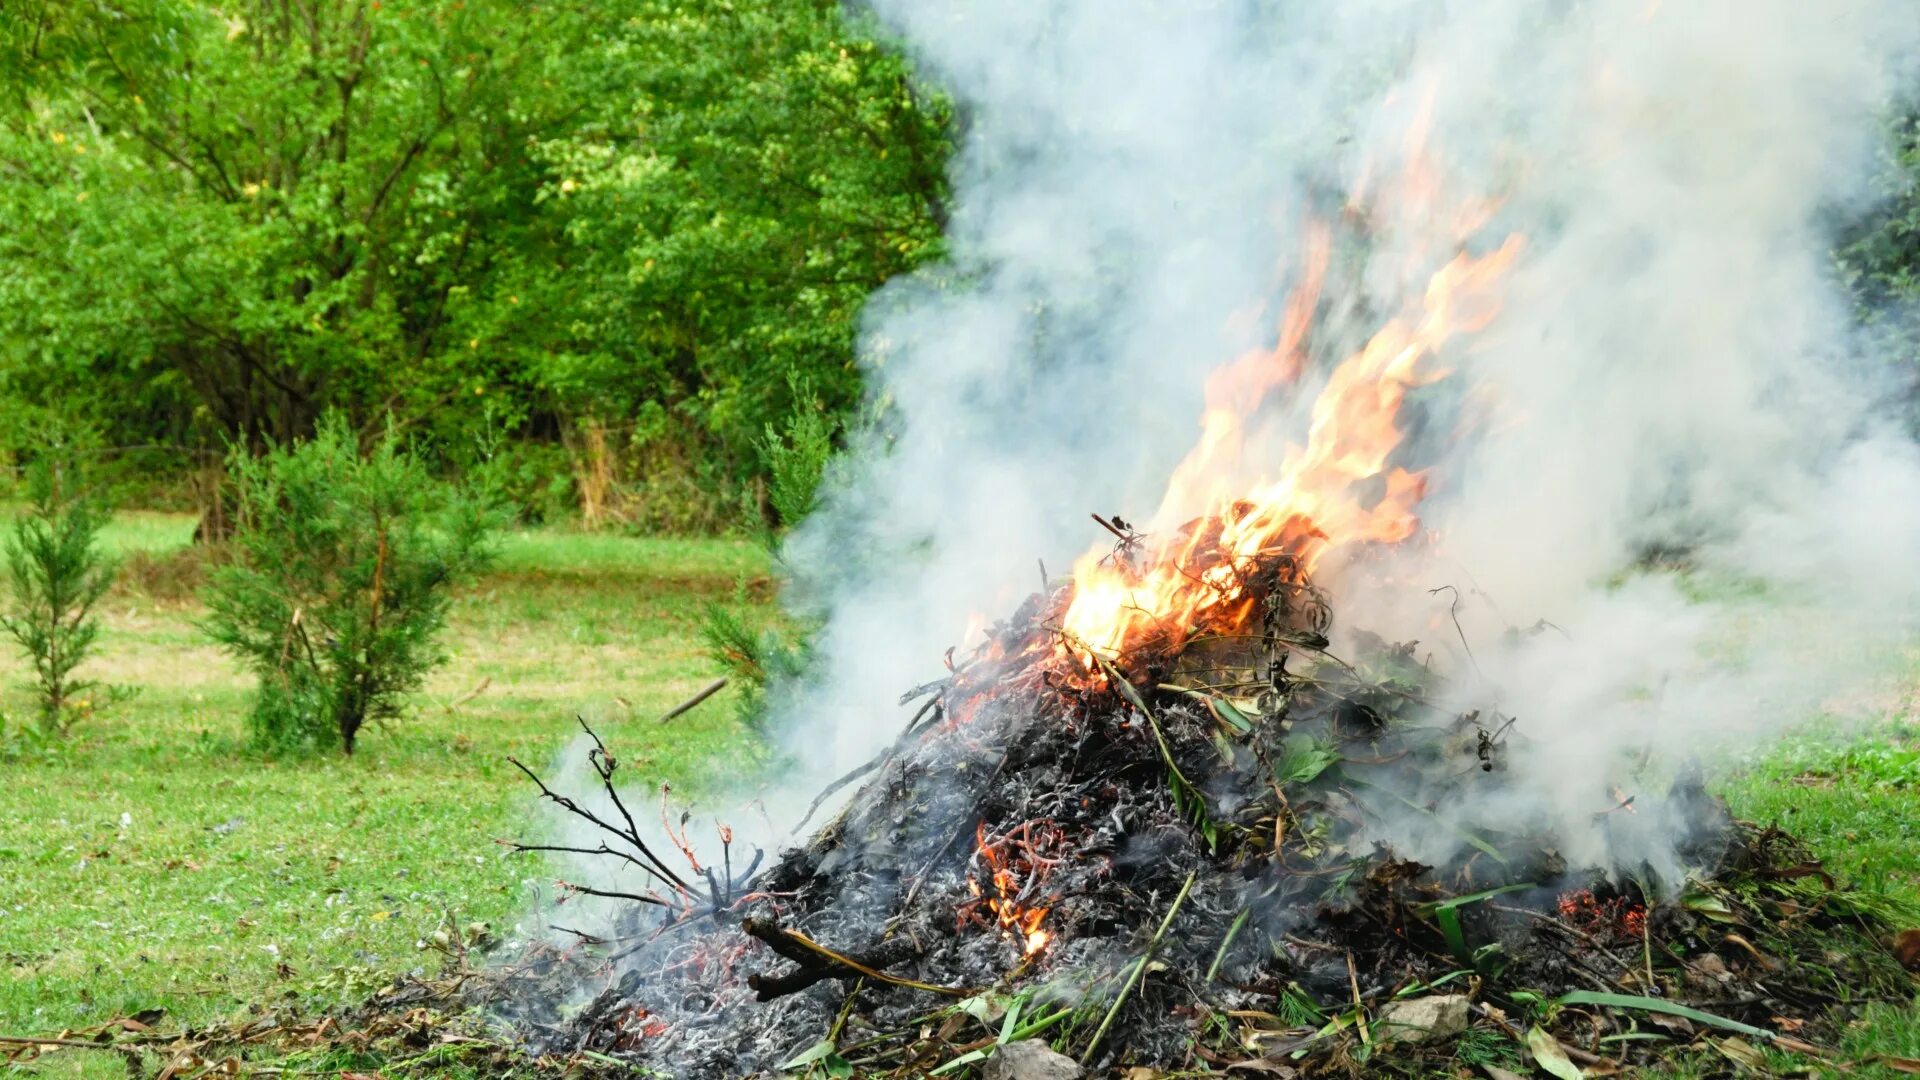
(235, 880)
(1855, 797)
(155, 861)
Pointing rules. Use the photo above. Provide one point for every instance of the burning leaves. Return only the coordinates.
(1194, 581)
(1016, 865)
(1184, 840)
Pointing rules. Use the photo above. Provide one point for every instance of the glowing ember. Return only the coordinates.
(1316, 502)
(1619, 915)
(1017, 863)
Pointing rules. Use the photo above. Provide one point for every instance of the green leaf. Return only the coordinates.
(967, 1058)
(1194, 804)
(1226, 942)
(1660, 1005)
(817, 1052)
(1127, 689)
(981, 1007)
(1417, 989)
(1449, 920)
(1225, 712)
(1446, 913)
(1302, 760)
(1549, 1056)
(1484, 894)
(1709, 905)
(1040, 1025)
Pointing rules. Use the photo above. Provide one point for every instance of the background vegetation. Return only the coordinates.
(335, 588)
(616, 234)
(622, 236)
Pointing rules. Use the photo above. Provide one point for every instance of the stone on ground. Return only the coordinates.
(1030, 1059)
(1422, 1019)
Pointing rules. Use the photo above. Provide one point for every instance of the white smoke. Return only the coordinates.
(1673, 365)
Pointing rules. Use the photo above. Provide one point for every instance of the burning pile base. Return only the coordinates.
(1171, 859)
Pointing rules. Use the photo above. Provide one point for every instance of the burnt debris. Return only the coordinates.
(1181, 857)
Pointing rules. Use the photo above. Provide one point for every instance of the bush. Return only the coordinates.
(339, 578)
(756, 654)
(58, 574)
(797, 457)
(760, 654)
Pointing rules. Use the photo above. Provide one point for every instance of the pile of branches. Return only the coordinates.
(1171, 859)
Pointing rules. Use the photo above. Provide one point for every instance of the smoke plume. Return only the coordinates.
(1662, 488)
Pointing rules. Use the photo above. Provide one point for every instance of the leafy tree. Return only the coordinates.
(222, 220)
(338, 587)
(775, 167)
(58, 574)
(233, 204)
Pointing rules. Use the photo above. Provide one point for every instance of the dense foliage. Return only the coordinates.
(641, 218)
(338, 585)
(1879, 251)
(58, 574)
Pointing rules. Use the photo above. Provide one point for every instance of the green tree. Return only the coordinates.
(339, 584)
(219, 221)
(58, 574)
(232, 206)
(771, 167)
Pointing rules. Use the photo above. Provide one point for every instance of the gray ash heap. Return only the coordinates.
(1178, 856)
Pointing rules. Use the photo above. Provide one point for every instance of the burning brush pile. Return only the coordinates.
(1162, 853)
(1153, 821)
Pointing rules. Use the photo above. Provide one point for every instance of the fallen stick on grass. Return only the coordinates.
(711, 689)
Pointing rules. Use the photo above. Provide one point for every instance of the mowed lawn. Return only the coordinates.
(156, 861)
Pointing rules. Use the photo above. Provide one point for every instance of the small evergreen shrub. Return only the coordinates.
(760, 653)
(755, 654)
(58, 575)
(797, 457)
(338, 581)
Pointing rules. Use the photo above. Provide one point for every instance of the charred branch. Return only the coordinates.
(816, 962)
(604, 766)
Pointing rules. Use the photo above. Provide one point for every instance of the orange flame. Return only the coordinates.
(1018, 921)
(1316, 500)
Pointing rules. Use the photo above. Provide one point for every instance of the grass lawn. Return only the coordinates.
(1856, 800)
(155, 861)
